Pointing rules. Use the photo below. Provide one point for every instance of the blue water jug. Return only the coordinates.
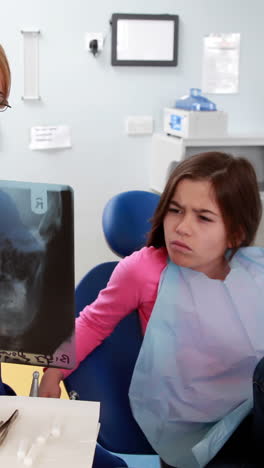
(195, 102)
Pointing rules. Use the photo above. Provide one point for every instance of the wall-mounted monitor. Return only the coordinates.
(144, 40)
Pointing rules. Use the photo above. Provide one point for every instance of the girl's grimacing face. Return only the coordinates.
(194, 230)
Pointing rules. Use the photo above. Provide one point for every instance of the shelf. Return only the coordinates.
(231, 140)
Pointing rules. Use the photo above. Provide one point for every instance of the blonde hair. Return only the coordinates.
(5, 72)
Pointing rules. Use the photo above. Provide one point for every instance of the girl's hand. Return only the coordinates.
(50, 383)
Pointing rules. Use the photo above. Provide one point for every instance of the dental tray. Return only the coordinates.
(49, 432)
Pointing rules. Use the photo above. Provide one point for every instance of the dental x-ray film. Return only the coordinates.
(37, 274)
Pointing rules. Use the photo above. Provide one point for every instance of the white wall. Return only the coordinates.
(93, 97)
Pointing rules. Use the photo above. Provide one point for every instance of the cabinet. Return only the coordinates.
(167, 151)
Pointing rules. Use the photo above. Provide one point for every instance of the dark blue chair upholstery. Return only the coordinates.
(5, 389)
(126, 220)
(105, 374)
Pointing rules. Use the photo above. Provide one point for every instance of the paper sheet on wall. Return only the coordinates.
(221, 63)
(48, 137)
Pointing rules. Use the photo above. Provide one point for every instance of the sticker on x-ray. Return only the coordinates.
(39, 201)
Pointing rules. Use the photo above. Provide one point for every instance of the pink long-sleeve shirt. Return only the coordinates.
(133, 285)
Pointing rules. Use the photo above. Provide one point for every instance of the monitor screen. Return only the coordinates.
(37, 274)
(144, 39)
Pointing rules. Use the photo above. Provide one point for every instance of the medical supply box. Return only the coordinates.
(195, 116)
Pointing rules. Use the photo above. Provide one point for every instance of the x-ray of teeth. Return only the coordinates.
(36, 274)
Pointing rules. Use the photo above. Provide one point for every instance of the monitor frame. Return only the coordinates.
(130, 60)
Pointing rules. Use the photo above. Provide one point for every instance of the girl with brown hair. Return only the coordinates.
(198, 286)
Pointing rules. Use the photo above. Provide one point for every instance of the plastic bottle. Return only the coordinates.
(195, 102)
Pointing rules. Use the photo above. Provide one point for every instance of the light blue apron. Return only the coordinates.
(192, 383)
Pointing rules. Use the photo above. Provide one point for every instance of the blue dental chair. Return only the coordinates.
(106, 373)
